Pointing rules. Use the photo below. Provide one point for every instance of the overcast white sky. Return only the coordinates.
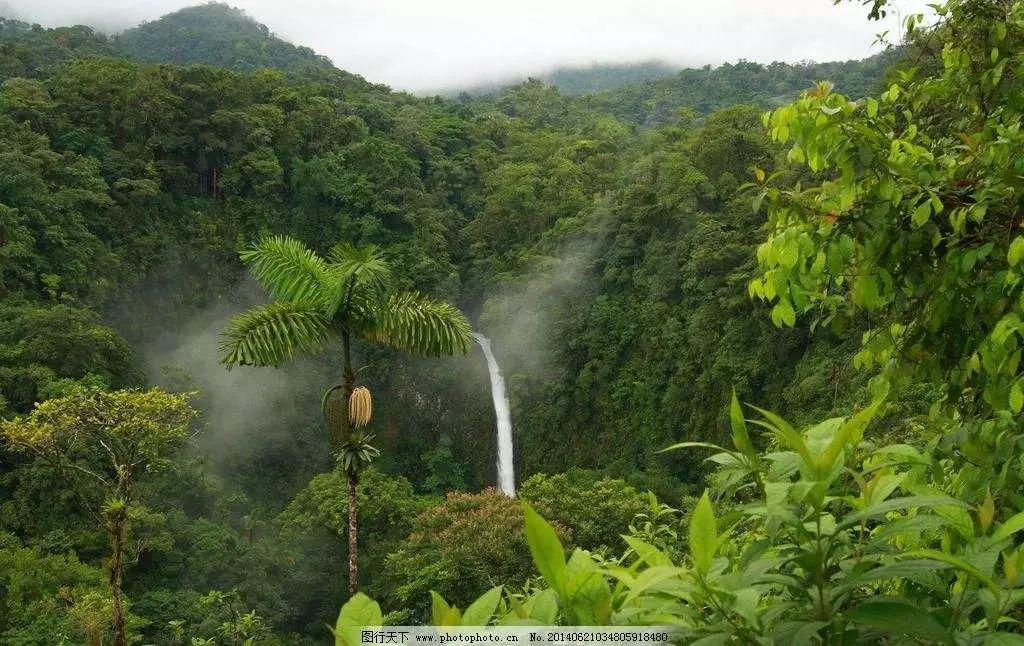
(431, 44)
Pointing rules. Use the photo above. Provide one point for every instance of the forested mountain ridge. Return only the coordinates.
(217, 34)
(608, 247)
(710, 88)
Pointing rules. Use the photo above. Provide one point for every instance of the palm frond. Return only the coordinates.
(266, 335)
(287, 269)
(417, 324)
(355, 272)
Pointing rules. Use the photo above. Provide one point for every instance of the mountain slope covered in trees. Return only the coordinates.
(217, 34)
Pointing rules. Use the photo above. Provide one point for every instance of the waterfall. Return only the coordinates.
(506, 470)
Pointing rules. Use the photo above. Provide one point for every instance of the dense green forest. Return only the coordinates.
(196, 195)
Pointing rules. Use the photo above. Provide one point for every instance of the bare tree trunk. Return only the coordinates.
(117, 576)
(353, 546)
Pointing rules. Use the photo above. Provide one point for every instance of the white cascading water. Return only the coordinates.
(506, 469)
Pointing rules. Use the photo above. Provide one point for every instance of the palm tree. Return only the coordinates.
(344, 297)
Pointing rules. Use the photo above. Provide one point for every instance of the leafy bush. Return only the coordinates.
(825, 537)
(468, 543)
(596, 511)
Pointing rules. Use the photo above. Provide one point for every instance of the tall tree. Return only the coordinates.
(101, 442)
(344, 297)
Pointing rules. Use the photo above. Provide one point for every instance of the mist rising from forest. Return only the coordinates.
(245, 408)
(522, 317)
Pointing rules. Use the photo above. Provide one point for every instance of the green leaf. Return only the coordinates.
(479, 612)
(987, 512)
(358, 612)
(783, 314)
(1016, 252)
(1016, 399)
(893, 504)
(922, 213)
(959, 564)
(740, 436)
(785, 432)
(647, 553)
(849, 433)
(689, 445)
(1003, 639)
(872, 107)
(703, 535)
(1012, 525)
(544, 607)
(288, 270)
(547, 551)
(899, 617)
(586, 591)
(439, 608)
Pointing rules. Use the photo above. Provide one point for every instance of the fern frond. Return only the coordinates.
(288, 270)
(266, 335)
(417, 324)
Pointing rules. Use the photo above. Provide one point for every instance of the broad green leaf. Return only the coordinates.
(783, 314)
(922, 213)
(1016, 398)
(650, 578)
(438, 608)
(703, 535)
(586, 590)
(959, 564)
(544, 607)
(547, 551)
(899, 617)
(1016, 252)
(479, 612)
(358, 612)
(907, 569)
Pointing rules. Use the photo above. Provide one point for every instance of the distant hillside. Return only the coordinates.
(572, 80)
(707, 89)
(31, 51)
(221, 35)
(597, 78)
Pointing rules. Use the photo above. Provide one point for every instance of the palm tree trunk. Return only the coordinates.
(353, 546)
(116, 577)
(349, 385)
